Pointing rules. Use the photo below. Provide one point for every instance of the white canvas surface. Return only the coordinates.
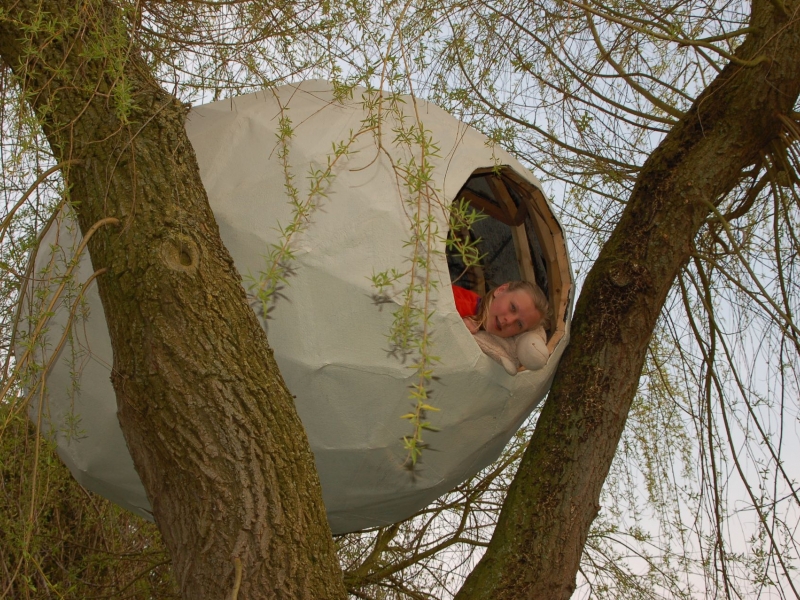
(328, 333)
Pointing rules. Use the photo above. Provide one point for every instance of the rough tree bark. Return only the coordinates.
(210, 425)
(536, 548)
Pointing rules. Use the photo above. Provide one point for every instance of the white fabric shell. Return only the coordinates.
(328, 333)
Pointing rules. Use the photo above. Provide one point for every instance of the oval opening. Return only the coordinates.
(519, 238)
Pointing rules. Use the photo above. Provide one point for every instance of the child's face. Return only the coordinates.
(511, 313)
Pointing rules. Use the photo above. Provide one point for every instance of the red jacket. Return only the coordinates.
(467, 302)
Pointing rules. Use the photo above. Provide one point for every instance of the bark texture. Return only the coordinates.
(208, 420)
(536, 548)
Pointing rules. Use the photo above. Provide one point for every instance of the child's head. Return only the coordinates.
(514, 307)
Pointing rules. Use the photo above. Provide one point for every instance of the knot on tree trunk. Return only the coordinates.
(629, 274)
(180, 253)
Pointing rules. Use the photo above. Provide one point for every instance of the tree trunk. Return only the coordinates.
(209, 422)
(537, 546)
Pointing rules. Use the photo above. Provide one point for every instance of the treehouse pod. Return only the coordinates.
(328, 324)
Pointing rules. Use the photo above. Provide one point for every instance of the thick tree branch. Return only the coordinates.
(210, 425)
(537, 545)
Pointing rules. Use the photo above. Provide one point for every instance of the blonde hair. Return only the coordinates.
(540, 302)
